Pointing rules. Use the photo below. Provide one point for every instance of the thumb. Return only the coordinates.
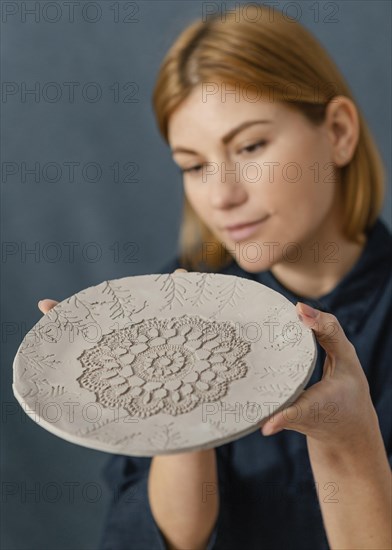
(288, 418)
(327, 329)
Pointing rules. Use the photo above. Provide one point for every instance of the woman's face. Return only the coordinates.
(279, 171)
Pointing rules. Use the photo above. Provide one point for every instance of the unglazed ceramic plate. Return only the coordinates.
(163, 363)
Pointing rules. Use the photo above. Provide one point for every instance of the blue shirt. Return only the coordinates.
(268, 497)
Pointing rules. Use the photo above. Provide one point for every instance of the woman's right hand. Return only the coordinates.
(47, 304)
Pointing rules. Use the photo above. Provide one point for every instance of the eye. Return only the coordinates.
(248, 149)
(192, 169)
(253, 147)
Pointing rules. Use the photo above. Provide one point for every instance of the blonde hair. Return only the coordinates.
(248, 46)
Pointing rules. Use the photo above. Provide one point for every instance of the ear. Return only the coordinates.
(342, 122)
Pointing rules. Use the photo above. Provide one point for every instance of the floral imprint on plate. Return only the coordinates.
(164, 366)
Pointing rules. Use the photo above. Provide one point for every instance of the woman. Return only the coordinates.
(267, 135)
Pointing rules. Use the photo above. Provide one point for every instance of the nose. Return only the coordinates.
(226, 188)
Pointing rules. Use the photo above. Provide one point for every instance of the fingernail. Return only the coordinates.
(309, 311)
(39, 302)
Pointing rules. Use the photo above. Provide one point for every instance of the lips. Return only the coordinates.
(244, 231)
(240, 225)
(244, 224)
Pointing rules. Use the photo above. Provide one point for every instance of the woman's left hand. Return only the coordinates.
(337, 410)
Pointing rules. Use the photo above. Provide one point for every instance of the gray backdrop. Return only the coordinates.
(121, 222)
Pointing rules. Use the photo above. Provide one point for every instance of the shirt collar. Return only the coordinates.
(353, 297)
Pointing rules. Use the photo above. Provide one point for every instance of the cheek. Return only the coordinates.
(302, 187)
(198, 199)
(314, 176)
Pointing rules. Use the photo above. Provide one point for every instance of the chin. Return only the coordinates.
(253, 257)
(258, 265)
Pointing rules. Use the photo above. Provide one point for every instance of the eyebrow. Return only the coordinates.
(227, 137)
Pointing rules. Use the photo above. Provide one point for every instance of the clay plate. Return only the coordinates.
(163, 363)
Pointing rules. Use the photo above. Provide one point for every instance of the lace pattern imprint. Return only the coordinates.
(167, 366)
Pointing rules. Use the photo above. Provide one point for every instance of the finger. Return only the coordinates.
(46, 305)
(327, 329)
(288, 418)
(180, 270)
